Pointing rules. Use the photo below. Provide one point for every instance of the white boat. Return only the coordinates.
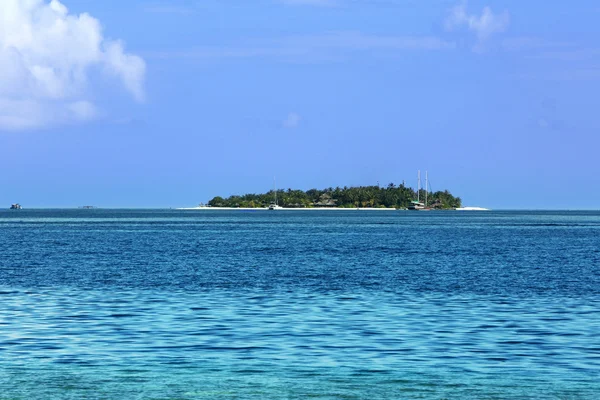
(472, 209)
(274, 206)
(417, 205)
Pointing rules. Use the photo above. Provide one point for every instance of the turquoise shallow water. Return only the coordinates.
(184, 305)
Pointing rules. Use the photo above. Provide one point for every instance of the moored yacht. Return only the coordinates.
(417, 205)
(274, 205)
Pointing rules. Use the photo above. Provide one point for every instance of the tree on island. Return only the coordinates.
(392, 196)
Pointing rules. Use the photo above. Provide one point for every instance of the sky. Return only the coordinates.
(170, 103)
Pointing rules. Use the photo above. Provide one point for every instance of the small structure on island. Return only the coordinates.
(15, 206)
(437, 205)
(326, 201)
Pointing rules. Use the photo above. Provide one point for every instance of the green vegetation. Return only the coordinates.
(391, 196)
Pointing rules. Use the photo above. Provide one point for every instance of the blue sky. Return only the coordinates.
(167, 104)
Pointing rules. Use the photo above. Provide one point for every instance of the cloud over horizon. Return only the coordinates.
(46, 56)
(483, 25)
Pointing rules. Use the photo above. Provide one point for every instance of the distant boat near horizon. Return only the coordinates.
(274, 205)
(417, 205)
(15, 206)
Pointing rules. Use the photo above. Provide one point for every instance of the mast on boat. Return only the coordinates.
(426, 188)
(274, 205)
(418, 184)
(275, 189)
(416, 204)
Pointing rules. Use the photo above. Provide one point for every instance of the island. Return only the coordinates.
(391, 196)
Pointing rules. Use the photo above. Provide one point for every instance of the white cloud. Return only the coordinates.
(82, 110)
(19, 114)
(46, 55)
(128, 67)
(292, 120)
(483, 25)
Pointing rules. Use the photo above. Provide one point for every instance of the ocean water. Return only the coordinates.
(166, 304)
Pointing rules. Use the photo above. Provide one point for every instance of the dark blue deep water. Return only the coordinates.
(165, 304)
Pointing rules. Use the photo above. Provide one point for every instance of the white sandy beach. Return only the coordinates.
(285, 209)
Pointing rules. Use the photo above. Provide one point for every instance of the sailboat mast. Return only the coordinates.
(418, 184)
(426, 188)
(275, 189)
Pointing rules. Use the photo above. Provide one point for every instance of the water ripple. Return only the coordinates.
(165, 304)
